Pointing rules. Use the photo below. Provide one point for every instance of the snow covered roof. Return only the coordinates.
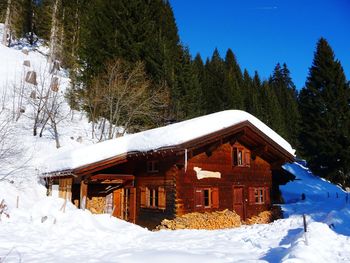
(167, 136)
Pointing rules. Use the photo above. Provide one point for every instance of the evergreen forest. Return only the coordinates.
(135, 43)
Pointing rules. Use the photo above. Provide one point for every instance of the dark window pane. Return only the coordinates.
(156, 198)
(235, 159)
(206, 197)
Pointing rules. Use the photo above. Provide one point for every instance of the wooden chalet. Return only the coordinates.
(229, 168)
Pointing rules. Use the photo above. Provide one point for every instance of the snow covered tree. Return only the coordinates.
(325, 113)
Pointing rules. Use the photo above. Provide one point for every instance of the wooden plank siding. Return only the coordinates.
(258, 174)
(163, 179)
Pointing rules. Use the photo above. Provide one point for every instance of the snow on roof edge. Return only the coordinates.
(153, 139)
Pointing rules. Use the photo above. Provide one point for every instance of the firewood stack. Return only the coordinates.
(96, 204)
(214, 220)
(266, 217)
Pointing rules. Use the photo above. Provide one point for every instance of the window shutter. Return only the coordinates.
(267, 196)
(215, 197)
(143, 196)
(117, 202)
(247, 158)
(148, 193)
(198, 198)
(161, 198)
(251, 195)
(234, 155)
(132, 210)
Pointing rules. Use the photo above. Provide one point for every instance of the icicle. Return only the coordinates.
(185, 160)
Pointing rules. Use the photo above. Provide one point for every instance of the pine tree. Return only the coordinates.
(271, 113)
(216, 97)
(286, 94)
(250, 91)
(189, 97)
(233, 81)
(325, 113)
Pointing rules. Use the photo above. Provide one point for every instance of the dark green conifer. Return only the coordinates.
(325, 113)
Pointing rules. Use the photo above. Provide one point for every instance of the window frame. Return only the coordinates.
(259, 195)
(152, 166)
(212, 193)
(153, 197)
(241, 157)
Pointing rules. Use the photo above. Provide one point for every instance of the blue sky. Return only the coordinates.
(264, 32)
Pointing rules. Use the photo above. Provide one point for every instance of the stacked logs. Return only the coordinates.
(96, 204)
(266, 217)
(218, 220)
(214, 220)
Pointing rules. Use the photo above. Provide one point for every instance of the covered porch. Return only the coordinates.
(112, 194)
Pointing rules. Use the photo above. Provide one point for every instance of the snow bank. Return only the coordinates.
(324, 202)
(321, 246)
(171, 135)
(314, 187)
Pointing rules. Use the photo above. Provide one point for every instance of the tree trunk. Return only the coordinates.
(54, 126)
(53, 36)
(7, 24)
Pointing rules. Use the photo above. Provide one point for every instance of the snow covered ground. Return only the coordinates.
(38, 231)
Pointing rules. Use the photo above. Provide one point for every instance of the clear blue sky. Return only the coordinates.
(264, 32)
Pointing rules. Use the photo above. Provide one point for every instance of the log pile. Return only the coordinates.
(266, 217)
(218, 220)
(96, 205)
(213, 220)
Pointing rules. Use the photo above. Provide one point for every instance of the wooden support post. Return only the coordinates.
(83, 194)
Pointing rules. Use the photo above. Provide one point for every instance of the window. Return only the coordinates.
(240, 157)
(152, 200)
(259, 195)
(152, 166)
(206, 198)
(153, 197)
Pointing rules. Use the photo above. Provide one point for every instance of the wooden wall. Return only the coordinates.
(151, 217)
(180, 185)
(257, 175)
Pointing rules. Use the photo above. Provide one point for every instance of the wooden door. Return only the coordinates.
(238, 201)
(118, 196)
(124, 200)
